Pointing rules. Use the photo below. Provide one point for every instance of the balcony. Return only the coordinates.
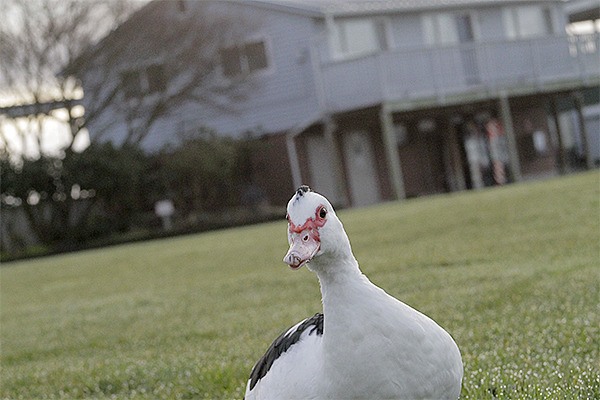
(466, 72)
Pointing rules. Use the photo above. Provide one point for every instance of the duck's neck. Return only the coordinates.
(336, 271)
(342, 285)
(347, 303)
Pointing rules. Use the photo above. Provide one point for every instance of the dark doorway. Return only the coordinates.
(422, 159)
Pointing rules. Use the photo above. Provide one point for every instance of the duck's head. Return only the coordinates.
(314, 230)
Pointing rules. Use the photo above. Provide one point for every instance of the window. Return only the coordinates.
(464, 25)
(447, 32)
(256, 56)
(588, 27)
(155, 76)
(141, 81)
(244, 59)
(231, 59)
(358, 36)
(130, 82)
(527, 21)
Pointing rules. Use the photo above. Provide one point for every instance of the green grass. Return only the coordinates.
(511, 273)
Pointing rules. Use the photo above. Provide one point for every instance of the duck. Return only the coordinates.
(365, 344)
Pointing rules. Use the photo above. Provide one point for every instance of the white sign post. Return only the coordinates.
(165, 209)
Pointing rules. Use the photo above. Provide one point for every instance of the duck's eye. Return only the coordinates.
(323, 212)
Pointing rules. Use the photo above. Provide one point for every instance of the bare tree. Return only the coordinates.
(39, 38)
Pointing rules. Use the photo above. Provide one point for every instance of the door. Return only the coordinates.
(423, 164)
(360, 168)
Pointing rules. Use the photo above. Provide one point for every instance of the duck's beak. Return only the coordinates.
(303, 247)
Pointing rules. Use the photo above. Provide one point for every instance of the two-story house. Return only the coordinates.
(364, 100)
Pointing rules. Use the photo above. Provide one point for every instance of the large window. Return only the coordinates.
(527, 21)
(241, 60)
(358, 36)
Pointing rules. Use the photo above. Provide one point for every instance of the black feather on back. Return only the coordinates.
(282, 344)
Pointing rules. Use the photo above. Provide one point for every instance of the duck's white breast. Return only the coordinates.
(379, 347)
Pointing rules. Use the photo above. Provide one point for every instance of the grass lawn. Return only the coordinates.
(512, 273)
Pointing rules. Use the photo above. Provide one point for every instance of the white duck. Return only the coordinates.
(366, 344)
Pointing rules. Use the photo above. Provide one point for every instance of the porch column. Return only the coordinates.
(562, 159)
(329, 128)
(391, 152)
(578, 100)
(452, 158)
(509, 131)
(290, 142)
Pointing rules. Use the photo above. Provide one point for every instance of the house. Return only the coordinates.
(584, 19)
(364, 100)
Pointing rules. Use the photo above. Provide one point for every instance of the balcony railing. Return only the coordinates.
(439, 73)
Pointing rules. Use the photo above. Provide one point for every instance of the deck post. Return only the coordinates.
(562, 159)
(509, 131)
(392, 155)
(578, 100)
(329, 127)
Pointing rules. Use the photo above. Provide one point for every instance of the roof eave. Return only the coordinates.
(321, 12)
(305, 10)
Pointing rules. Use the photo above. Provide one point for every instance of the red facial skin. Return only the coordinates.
(311, 224)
